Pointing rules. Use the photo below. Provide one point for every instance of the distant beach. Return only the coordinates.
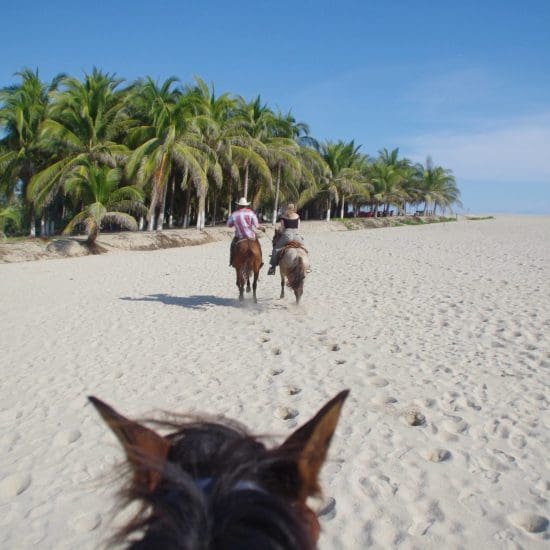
(441, 331)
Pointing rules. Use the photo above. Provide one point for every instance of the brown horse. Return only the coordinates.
(247, 261)
(294, 265)
(210, 486)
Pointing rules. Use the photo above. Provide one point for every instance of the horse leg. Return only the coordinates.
(298, 292)
(248, 283)
(254, 285)
(282, 285)
(240, 286)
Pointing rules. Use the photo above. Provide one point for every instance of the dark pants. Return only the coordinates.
(232, 250)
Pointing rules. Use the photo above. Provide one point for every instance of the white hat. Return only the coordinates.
(243, 202)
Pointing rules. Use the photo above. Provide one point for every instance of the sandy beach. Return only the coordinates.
(446, 326)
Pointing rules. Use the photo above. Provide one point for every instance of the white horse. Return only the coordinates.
(294, 265)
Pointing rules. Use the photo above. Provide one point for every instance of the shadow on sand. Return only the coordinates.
(191, 302)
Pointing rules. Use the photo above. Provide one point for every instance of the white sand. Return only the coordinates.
(451, 321)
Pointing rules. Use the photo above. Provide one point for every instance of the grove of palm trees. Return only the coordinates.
(102, 153)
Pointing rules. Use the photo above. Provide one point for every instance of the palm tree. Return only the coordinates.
(223, 132)
(167, 138)
(345, 172)
(84, 122)
(259, 122)
(400, 180)
(386, 181)
(23, 110)
(97, 189)
(9, 213)
(437, 187)
(292, 158)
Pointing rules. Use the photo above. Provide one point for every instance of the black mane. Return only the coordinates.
(218, 491)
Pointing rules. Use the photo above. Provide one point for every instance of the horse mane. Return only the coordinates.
(210, 485)
(217, 491)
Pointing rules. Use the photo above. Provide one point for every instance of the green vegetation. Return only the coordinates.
(478, 218)
(97, 153)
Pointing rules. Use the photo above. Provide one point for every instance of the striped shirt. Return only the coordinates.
(243, 220)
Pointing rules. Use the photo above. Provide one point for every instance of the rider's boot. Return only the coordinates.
(271, 270)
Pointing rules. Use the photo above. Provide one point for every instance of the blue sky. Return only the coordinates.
(466, 82)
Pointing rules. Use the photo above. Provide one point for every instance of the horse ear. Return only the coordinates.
(146, 450)
(309, 444)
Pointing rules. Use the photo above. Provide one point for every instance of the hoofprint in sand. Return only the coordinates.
(442, 333)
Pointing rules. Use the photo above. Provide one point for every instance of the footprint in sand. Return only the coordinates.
(286, 413)
(414, 418)
(378, 381)
(375, 486)
(276, 351)
(420, 527)
(275, 371)
(293, 390)
(67, 437)
(87, 522)
(455, 424)
(327, 509)
(382, 399)
(14, 485)
(436, 455)
(532, 523)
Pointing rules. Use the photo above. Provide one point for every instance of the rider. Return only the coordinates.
(287, 231)
(244, 220)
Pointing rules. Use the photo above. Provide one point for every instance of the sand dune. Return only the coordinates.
(442, 332)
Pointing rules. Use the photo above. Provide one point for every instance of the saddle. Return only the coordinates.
(291, 244)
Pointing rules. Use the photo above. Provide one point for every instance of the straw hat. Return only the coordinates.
(243, 202)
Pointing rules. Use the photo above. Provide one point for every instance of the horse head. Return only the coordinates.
(212, 485)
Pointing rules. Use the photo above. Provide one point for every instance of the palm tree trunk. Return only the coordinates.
(245, 190)
(32, 229)
(43, 224)
(328, 211)
(201, 210)
(187, 205)
(152, 208)
(160, 219)
(215, 209)
(92, 235)
(276, 206)
(173, 189)
(342, 207)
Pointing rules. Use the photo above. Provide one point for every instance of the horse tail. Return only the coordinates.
(296, 274)
(248, 263)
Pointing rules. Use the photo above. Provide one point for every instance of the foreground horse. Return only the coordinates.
(213, 486)
(294, 265)
(247, 261)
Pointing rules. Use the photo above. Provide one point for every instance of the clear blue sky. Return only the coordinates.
(467, 82)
